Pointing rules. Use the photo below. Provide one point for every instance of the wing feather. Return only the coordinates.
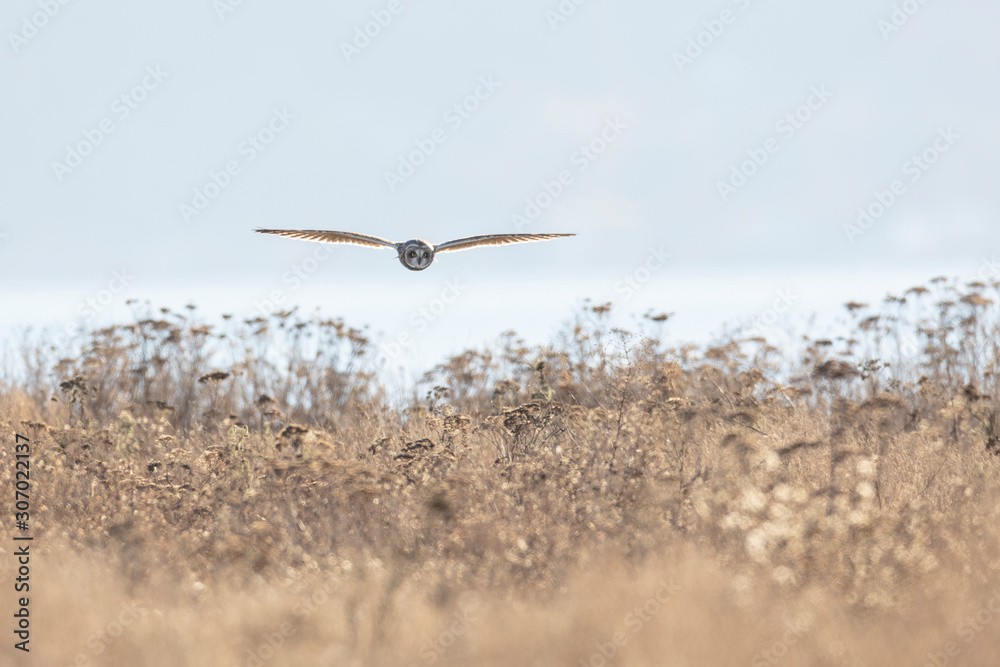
(493, 239)
(324, 236)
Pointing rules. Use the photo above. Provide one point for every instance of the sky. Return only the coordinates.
(717, 160)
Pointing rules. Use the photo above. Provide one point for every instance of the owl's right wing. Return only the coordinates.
(325, 236)
(493, 239)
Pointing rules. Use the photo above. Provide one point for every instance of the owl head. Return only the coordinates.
(416, 255)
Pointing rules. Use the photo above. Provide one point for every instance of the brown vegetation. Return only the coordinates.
(247, 494)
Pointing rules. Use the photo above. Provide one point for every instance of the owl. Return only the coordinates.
(415, 254)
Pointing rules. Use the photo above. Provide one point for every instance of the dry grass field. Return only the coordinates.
(246, 494)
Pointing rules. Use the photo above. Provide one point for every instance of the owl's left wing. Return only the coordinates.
(493, 239)
(326, 236)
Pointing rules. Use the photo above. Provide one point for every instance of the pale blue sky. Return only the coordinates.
(198, 83)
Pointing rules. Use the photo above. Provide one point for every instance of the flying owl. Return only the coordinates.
(415, 254)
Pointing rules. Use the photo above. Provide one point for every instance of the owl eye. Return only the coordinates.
(413, 253)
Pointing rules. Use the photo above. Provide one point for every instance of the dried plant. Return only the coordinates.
(249, 490)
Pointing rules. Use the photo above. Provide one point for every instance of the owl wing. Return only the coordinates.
(325, 236)
(493, 239)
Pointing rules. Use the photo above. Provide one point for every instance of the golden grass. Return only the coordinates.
(248, 495)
